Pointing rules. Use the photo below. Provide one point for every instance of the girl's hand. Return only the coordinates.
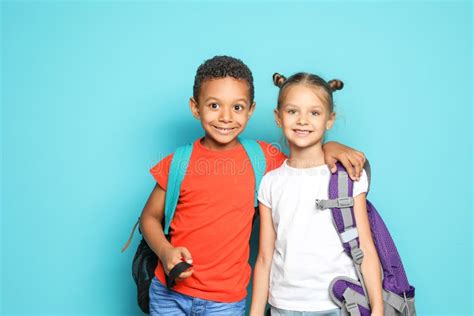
(374, 313)
(353, 160)
(172, 256)
(377, 310)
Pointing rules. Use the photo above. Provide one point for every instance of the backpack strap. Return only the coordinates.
(341, 203)
(257, 159)
(131, 236)
(179, 165)
(175, 272)
(352, 300)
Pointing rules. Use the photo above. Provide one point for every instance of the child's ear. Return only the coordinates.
(277, 117)
(331, 120)
(252, 108)
(193, 105)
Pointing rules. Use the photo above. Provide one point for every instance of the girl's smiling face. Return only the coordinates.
(304, 115)
(224, 108)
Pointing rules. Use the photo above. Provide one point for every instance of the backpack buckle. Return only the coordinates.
(344, 202)
(352, 307)
(357, 255)
(320, 205)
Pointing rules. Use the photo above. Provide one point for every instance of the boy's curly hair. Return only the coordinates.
(221, 67)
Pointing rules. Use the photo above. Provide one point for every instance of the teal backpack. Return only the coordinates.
(145, 260)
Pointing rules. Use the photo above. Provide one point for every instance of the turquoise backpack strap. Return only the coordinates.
(179, 165)
(258, 161)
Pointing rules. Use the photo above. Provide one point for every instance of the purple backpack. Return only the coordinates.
(351, 295)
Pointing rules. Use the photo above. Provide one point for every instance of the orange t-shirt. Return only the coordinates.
(213, 219)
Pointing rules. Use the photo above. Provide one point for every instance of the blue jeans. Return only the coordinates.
(283, 312)
(167, 302)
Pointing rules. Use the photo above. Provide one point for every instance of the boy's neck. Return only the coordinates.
(213, 145)
(306, 157)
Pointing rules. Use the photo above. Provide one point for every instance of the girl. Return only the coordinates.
(300, 251)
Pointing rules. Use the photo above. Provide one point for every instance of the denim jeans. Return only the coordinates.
(167, 302)
(283, 312)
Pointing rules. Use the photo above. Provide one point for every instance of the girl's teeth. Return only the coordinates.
(303, 133)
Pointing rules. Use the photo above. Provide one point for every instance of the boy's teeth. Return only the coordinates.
(224, 130)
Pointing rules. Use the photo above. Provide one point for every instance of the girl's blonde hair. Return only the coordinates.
(310, 80)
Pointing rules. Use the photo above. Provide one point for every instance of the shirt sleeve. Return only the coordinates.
(264, 192)
(273, 156)
(361, 186)
(160, 171)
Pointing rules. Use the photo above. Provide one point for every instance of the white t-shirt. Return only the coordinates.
(308, 252)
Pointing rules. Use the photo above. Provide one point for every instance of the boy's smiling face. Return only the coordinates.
(224, 108)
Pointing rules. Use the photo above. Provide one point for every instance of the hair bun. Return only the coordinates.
(278, 79)
(336, 84)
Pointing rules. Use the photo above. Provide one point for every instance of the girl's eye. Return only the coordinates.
(214, 106)
(238, 107)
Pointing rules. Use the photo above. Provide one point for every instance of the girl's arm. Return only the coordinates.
(371, 269)
(261, 276)
(150, 225)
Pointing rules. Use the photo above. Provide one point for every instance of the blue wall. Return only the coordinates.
(95, 93)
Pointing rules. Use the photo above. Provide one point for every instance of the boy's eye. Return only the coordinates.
(214, 106)
(291, 111)
(238, 107)
(315, 113)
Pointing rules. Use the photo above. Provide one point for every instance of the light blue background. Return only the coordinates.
(95, 93)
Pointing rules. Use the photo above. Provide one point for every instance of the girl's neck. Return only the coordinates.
(306, 157)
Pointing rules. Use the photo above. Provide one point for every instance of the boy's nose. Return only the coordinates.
(225, 115)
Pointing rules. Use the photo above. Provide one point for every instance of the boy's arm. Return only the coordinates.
(353, 160)
(152, 229)
(261, 277)
(371, 269)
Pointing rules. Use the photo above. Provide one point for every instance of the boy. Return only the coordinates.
(213, 219)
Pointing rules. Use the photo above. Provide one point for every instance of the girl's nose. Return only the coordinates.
(302, 120)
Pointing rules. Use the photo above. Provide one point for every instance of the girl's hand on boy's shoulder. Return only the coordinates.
(174, 255)
(352, 160)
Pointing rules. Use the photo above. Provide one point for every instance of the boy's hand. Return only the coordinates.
(172, 257)
(350, 158)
